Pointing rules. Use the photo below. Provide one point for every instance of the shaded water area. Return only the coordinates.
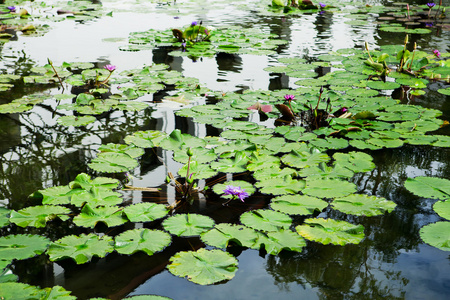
(37, 152)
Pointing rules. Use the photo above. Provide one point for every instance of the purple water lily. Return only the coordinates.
(236, 191)
(431, 5)
(11, 8)
(194, 23)
(322, 5)
(110, 68)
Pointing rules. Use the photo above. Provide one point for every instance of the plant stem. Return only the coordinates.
(56, 73)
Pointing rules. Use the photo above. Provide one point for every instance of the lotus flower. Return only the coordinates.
(236, 191)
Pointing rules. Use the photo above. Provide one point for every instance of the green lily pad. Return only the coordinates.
(329, 188)
(304, 159)
(280, 186)
(145, 212)
(85, 182)
(186, 225)
(355, 161)
(76, 121)
(442, 208)
(80, 248)
(18, 290)
(236, 164)
(200, 155)
(329, 231)
(429, 187)
(4, 216)
(297, 204)
(244, 185)
(145, 139)
(22, 246)
(437, 235)
(266, 220)
(198, 171)
(132, 151)
(363, 205)
(276, 241)
(111, 162)
(38, 216)
(142, 239)
(203, 266)
(222, 234)
(274, 172)
(54, 195)
(96, 196)
(89, 216)
(445, 91)
(330, 143)
(177, 140)
(381, 85)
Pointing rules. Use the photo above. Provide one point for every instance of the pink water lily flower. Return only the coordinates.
(437, 53)
(110, 68)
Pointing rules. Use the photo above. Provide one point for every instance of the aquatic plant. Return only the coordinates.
(236, 192)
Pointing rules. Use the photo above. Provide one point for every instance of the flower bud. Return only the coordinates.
(406, 39)
(189, 152)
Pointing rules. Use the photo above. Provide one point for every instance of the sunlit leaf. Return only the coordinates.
(266, 220)
(38, 216)
(110, 162)
(329, 231)
(142, 239)
(22, 246)
(363, 205)
(437, 235)
(442, 208)
(280, 186)
(90, 216)
(429, 187)
(145, 212)
(187, 224)
(80, 248)
(276, 241)
(297, 204)
(222, 234)
(329, 188)
(203, 266)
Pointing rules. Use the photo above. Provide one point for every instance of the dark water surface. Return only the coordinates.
(391, 263)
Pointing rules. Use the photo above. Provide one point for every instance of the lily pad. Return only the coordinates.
(145, 212)
(355, 161)
(363, 205)
(244, 185)
(4, 216)
(276, 241)
(76, 121)
(280, 186)
(110, 162)
(142, 239)
(429, 187)
(89, 216)
(297, 204)
(38, 216)
(22, 246)
(222, 234)
(266, 220)
(329, 231)
(304, 159)
(80, 248)
(437, 235)
(442, 208)
(203, 266)
(329, 188)
(145, 139)
(186, 225)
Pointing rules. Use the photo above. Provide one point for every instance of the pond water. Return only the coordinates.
(37, 152)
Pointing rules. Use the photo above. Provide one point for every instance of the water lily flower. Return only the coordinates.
(322, 5)
(194, 23)
(11, 8)
(429, 24)
(289, 97)
(236, 191)
(110, 68)
(431, 5)
(437, 53)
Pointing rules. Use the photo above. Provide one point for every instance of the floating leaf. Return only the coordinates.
(329, 231)
(222, 234)
(297, 204)
(355, 161)
(232, 165)
(4, 217)
(442, 208)
(113, 162)
(85, 182)
(429, 187)
(80, 248)
(198, 171)
(280, 186)
(203, 266)
(17, 290)
(76, 120)
(142, 239)
(304, 159)
(329, 188)
(38, 216)
(381, 85)
(96, 196)
(187, 224)
(145, 212)
(363, 205)
(132, 151)
(145, 139)
(244, 185)
(177, 140)
(89, 216)
(200, 154)
(266, 220)
(275, 242)
(437, 235)
(22, 246)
